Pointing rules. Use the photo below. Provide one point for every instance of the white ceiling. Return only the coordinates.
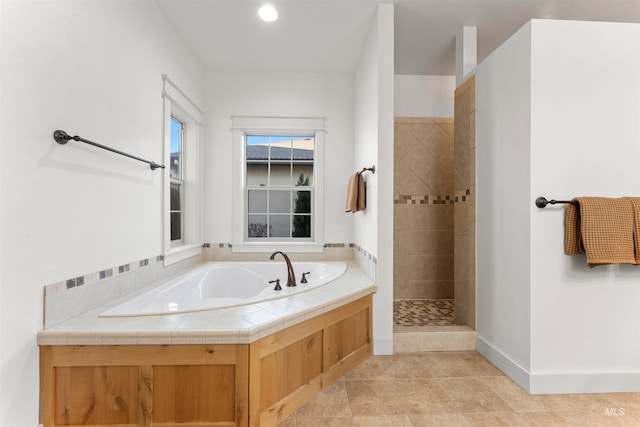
(327, 36)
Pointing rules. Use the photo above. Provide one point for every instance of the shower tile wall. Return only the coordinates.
(464, 207)
(423, 208)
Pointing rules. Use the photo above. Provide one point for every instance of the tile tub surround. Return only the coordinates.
(332, 252)
(72, 297)
(69, 298)
(236, 325)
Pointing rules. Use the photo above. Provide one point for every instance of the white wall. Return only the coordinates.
(585, 140)
(374, 146)
(93, 69)
(276, 94)
(423, 96)
(578, 135)
(502, 168)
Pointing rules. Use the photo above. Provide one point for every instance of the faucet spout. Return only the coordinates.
(291, 277)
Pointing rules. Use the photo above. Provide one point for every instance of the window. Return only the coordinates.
(177, 180)
(182, 178)
(278, 184)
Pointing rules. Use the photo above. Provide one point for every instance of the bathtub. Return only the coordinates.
(217, 285)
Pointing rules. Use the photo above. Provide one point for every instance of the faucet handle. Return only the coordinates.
(277, 282)
(304, 278)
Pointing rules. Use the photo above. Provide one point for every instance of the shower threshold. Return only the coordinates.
(429, 325)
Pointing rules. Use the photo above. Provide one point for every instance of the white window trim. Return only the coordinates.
(243, 125)
(176, 103)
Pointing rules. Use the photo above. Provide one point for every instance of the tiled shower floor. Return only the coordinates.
(431, 312)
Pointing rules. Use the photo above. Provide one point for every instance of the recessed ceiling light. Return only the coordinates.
(268, 13)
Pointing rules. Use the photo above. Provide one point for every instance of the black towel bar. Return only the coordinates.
(62, 137)
(542, 202)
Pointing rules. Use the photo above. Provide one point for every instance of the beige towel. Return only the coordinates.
(601, 228)
(356, 198)
(572, 241)
(635, 202)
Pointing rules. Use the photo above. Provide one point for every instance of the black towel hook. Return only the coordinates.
(372, 169)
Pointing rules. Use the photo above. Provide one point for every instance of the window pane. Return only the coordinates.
(280, 174)
(280, 225)
(176, 226)
(257, 201)
(257, 174)
(307, 174)
(301, 226)
(176, 149)
(280, 151)
(302, 202)
(279, 201)
(258, 226)
(175, 199)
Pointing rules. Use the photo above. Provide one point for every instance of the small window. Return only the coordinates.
(182, 178)
(177, 180)
(279, 178)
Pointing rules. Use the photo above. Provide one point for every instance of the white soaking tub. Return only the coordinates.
(227, 284)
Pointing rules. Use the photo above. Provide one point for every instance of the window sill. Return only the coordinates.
(268, 247)
(181, 253)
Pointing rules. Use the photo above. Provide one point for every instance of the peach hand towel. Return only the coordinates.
(356, 193)
(602, 228)
(572, 240)
(635, 203)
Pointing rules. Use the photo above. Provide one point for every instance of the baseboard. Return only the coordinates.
(510, 368)
(382, 346)
(560, 383)
(585, 383)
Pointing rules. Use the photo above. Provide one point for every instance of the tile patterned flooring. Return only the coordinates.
(452, 389)
(424, 312)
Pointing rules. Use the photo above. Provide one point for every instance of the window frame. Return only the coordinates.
(176, 104)
(290, 188)
(276, 126)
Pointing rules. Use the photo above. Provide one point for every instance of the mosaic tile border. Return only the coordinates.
(462, 196)
(408, 199)
(365, 253)
(90, 278)
(326, 245)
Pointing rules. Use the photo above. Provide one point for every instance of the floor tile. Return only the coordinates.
(439, 420)
(452, 388)
(332, 402)
(383, 421)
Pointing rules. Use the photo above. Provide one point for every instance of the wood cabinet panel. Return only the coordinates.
(346, 336)
(96, 395)
(191, 394)
(289, 368)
